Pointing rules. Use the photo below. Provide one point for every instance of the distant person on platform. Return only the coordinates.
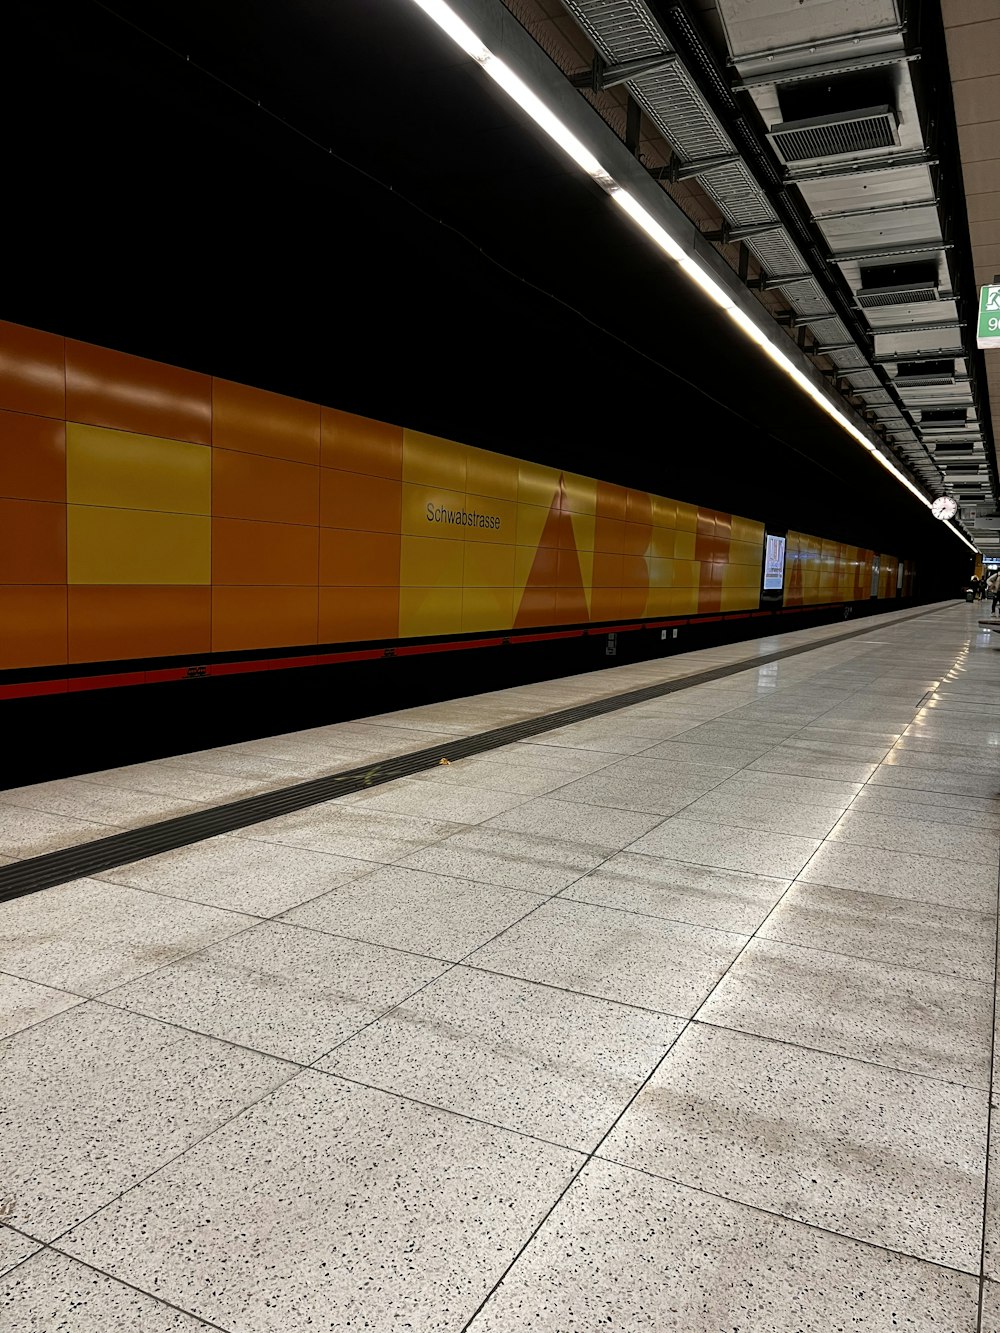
(993, 588)
(975, 586)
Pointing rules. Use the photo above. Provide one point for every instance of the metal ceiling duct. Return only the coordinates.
(833, 87)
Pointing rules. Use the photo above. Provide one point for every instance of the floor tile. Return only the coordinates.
(174, 777)
(869, 1153)
(462, 805)
(603, 738)
(734, 755)
(920, 1022)
(352, 833)
(925, 837)
(496, 775)
(397, 1207)
(991, 1308)
(798, 763)
(795, 789)
(888, 930)
(262, 878)
(436, 915)
(722, 731)
(122, 1095)
(279, 989)
(79, 799)
(533, 754)
(14, 1249)
(679, 891)
(87, 936)
(936, 761)
(52, 1292)
(937, 780)
(930, 879)
(513, 860)
(529, 1058)
(621, 956)
(807, 745)
(658, 788)
(728, 846)
(24, 1003)
(26, 833)
(768, 815)
(577, 822)
(934, 807)
(715, 1266)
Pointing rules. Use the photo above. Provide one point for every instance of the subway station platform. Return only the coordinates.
(678, 1017)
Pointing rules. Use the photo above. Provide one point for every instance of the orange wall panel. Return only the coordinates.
(358, 559)
(32, 542)
(124, 622)
(354, 500)
(357, 444)
(255, 421)
(32, 457)
(270, 489)
(356, 615)
(32, 626)
(32, 371)
(245, 551)
(258, 617)
(106, 388)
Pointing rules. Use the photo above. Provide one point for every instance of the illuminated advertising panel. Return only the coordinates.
(774, 563)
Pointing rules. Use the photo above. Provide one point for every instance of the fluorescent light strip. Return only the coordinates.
(515, 87)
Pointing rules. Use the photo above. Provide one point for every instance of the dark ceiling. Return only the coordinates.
(386, 233)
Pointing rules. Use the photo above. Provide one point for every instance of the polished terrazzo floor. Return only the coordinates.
(679, 1018)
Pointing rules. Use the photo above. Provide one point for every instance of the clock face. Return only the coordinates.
(944, 507)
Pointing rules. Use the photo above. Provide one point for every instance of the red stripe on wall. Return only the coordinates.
(81, 684)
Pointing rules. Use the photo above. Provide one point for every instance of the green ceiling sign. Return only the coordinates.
(988, 333)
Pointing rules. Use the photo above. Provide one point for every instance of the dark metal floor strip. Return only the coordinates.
(91, 858)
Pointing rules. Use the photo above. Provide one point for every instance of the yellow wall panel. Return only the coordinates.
(489, 474)
(579, 494)
(738, 598)
(687, 518)
(487, 608)
(663, 512)
(430, 611)
(426, 562)
(115, 468)
(488, 566)
(663, 543)
(684, 544)
(687, 573)
(536, 485)
(431, 461)
(110, 546)
(745, 553)
(661, 572)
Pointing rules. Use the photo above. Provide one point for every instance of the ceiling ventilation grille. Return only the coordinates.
(898, 284)
(883, 296)
(836, 136)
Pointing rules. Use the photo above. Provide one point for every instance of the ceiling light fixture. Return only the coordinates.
(514, 86)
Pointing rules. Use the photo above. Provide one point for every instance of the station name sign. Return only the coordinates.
(462, 518)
